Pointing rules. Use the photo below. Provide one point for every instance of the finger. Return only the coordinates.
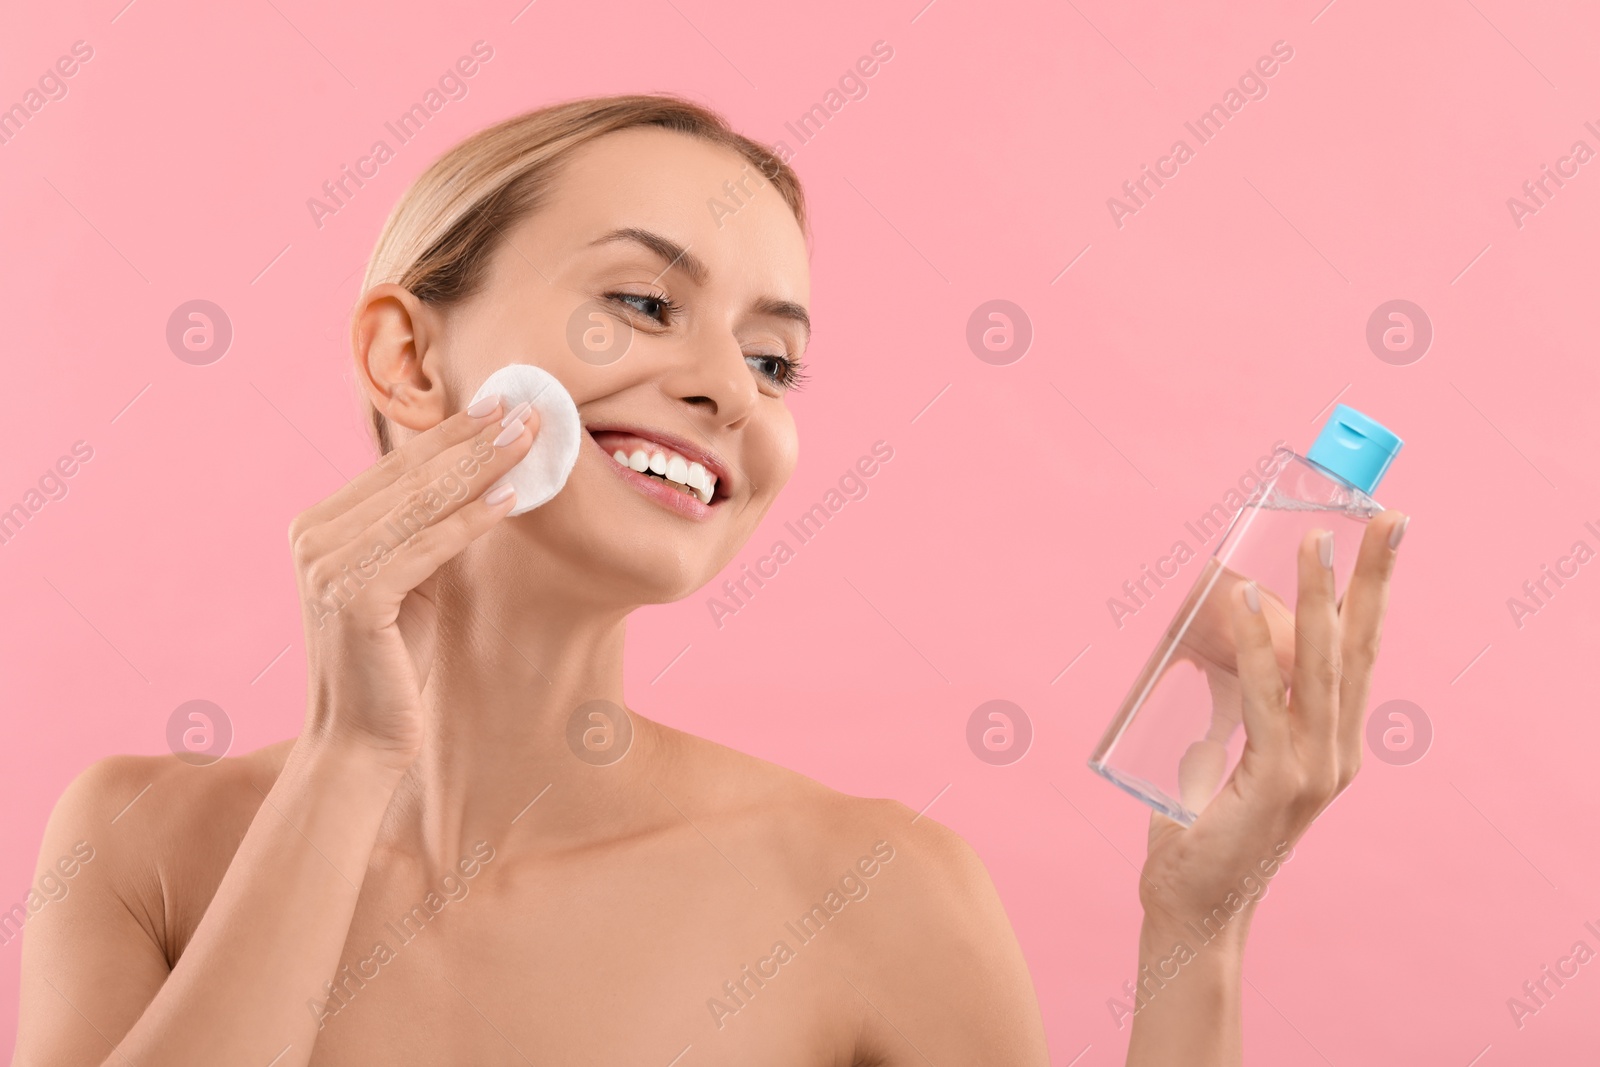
(1361, 622)
(462, 426)
(1266, 717)
(365, 562)
(416, 559)
(436, 487)
(1201, 767)
(1314, 692)
(1280, 625)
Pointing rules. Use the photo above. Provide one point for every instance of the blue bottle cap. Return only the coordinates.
(1354, 447)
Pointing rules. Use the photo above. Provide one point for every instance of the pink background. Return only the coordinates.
(1229, 312)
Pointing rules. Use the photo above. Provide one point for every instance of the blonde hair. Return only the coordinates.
(438, 240)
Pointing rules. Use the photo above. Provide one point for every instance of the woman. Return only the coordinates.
(471, 853)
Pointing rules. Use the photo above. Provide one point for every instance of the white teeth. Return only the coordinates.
(702, 481)
(693, 478)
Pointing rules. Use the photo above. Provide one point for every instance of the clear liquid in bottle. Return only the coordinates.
(1179, 732)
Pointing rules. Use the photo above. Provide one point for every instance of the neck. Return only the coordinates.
(518, 662)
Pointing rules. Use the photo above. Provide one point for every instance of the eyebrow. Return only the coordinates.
(675, 255)
(786, 309)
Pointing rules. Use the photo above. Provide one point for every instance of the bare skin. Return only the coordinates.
(598, 932)
(573, 911)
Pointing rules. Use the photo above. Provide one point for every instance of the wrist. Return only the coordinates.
(335, 798)
(1205, 971)
(1185, 997)
(359, 767)
(1220, 935)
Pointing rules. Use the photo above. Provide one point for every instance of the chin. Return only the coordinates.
(612, 544)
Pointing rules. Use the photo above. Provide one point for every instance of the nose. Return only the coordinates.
(714, 380)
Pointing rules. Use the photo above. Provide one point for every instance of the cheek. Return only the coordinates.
(776, 451)
(771, 449)
(524, 326)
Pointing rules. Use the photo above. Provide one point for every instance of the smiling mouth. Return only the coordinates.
(655, 460)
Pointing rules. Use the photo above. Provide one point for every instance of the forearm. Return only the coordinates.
(1188, 997)
(275, 929)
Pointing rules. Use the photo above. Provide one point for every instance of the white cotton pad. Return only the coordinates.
(543, 471)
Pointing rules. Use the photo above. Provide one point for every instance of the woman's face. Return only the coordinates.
(664, 283)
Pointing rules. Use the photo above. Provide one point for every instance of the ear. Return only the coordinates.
(391, 334)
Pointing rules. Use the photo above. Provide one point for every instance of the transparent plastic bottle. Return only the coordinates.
(1179, 733)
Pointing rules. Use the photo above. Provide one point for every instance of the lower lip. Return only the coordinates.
(688, 506)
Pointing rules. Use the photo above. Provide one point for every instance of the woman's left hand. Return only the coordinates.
(1299, 752)
(1200, 885)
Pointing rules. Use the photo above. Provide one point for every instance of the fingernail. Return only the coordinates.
(500, 495)
(517, 413)
(1398, 532)
(487, 406)
(509, 434)
(1325, 549)
(1252, 598)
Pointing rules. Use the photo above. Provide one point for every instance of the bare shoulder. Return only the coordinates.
(810, 832)
(131, 856)
(153, 797)
(159, 831)
(913, 920)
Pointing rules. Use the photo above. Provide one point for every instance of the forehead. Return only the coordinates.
(702, 196)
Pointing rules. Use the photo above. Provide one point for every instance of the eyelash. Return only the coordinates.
(791, 374)
(663, 302)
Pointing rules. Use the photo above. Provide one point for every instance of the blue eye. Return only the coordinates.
(780, 370)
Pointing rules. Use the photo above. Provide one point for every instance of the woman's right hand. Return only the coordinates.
(365, 560)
